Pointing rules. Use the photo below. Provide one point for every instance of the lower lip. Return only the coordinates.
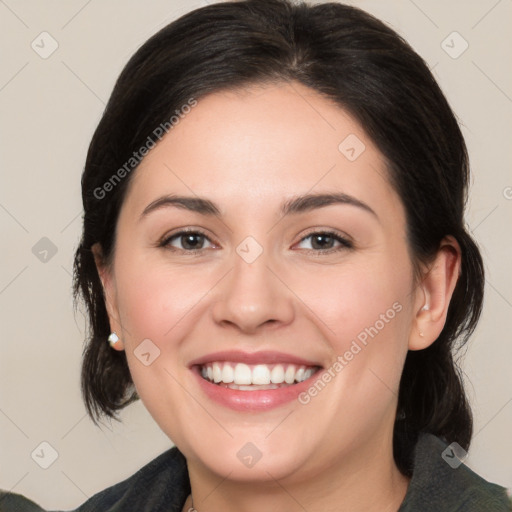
(263, 400)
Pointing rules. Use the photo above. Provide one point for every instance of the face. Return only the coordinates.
(261, 241)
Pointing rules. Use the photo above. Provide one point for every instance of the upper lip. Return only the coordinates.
(262, 357)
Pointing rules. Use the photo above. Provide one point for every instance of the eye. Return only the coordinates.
(325, 241)
(187, 241)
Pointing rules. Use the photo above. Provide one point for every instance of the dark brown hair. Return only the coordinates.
(366, 68)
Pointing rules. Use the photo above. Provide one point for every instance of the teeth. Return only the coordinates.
(217, 373)
(228, 374)
(261, 374)
(277, 374)
(250, 388)
(243, 376)
(289, 375)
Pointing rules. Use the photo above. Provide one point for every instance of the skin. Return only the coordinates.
(248, 151)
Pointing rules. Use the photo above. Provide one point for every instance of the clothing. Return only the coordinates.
(163, 486)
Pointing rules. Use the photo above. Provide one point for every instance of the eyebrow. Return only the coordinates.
(295, 205)
(309, 202)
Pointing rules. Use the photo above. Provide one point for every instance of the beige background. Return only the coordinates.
(49, 109)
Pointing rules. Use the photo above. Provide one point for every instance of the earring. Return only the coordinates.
(113, 339)
(425, 307)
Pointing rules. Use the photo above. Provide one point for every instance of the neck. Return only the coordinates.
(369, 481)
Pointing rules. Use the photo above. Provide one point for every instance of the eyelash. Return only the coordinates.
(344, 243)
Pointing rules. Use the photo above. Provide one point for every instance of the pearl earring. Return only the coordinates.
(425, 307)
(113, 339)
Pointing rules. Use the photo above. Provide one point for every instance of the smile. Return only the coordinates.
(255, 377)
(253, 382)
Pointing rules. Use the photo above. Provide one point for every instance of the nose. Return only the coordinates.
(253, 296)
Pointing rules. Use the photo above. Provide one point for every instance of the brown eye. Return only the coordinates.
(322, 241)
(192, 241)
(186, 241)
(325, 241)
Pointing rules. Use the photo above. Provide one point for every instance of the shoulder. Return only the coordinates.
(10, 502)
(442, 483)
(162, 484)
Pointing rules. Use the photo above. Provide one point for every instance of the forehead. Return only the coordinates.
(261, 143)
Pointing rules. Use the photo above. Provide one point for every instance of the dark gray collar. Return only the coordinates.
(440, 484)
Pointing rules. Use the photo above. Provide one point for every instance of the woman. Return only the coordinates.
(274, 261)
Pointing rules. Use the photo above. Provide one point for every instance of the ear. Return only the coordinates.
(434, 294)
(109, 293)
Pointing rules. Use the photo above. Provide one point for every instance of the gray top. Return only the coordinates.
(438, 484)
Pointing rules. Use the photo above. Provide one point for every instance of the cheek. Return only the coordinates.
(365, 316)
(158, 304)
(155, 300)
(356, 298)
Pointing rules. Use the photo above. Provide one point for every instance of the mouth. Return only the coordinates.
(255, 377)
(252, 382)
